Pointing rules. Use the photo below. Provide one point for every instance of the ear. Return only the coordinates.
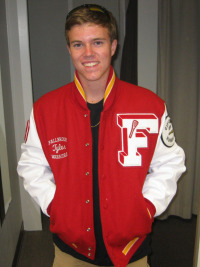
(113, 47)
(68, 48)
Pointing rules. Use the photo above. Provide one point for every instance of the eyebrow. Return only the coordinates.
(75, 41)
(95, 39)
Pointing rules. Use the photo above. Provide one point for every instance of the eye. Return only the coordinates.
(77, 45)
(98, 43)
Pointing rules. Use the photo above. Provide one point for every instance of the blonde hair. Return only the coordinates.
(91, 14)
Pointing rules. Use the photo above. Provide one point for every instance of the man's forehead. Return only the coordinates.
(88, 26)
(88, 31)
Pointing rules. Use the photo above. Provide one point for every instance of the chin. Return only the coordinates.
(92, 77)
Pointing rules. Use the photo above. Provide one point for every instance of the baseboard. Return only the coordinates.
(18, 248)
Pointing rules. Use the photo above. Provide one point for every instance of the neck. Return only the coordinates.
(94, 90)
(94, 95)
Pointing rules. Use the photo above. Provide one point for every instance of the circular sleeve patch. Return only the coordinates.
(168, 136)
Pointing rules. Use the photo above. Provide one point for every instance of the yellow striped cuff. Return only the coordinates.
(129, 246)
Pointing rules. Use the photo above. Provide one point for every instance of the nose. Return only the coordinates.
(88, 50)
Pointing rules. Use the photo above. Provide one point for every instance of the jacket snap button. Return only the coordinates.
(87, 201)
(87, 173)
(89, 254)
(88, 229)
(87, 144)
(85, 115)
(89, 248)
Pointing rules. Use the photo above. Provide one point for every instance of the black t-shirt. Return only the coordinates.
(101, 256)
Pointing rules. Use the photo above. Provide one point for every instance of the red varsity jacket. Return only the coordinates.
(131, 127)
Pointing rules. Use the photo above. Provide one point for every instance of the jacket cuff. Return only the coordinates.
(150, 208)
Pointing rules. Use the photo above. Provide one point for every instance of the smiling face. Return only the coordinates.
(91, 51)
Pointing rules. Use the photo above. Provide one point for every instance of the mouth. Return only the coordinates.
(90, 64)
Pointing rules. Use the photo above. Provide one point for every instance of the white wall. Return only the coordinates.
(20, 73)
(48, 48)
(12, 224)
(147, 43)
(5, 176)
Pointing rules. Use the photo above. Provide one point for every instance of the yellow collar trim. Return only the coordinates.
(79, 87)
(108, 88)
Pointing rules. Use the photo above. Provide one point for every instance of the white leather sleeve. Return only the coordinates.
(167, 165)
(34, 169)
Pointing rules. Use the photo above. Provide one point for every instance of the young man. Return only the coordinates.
(100, 156)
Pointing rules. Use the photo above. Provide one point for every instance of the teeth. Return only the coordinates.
(90, 64)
